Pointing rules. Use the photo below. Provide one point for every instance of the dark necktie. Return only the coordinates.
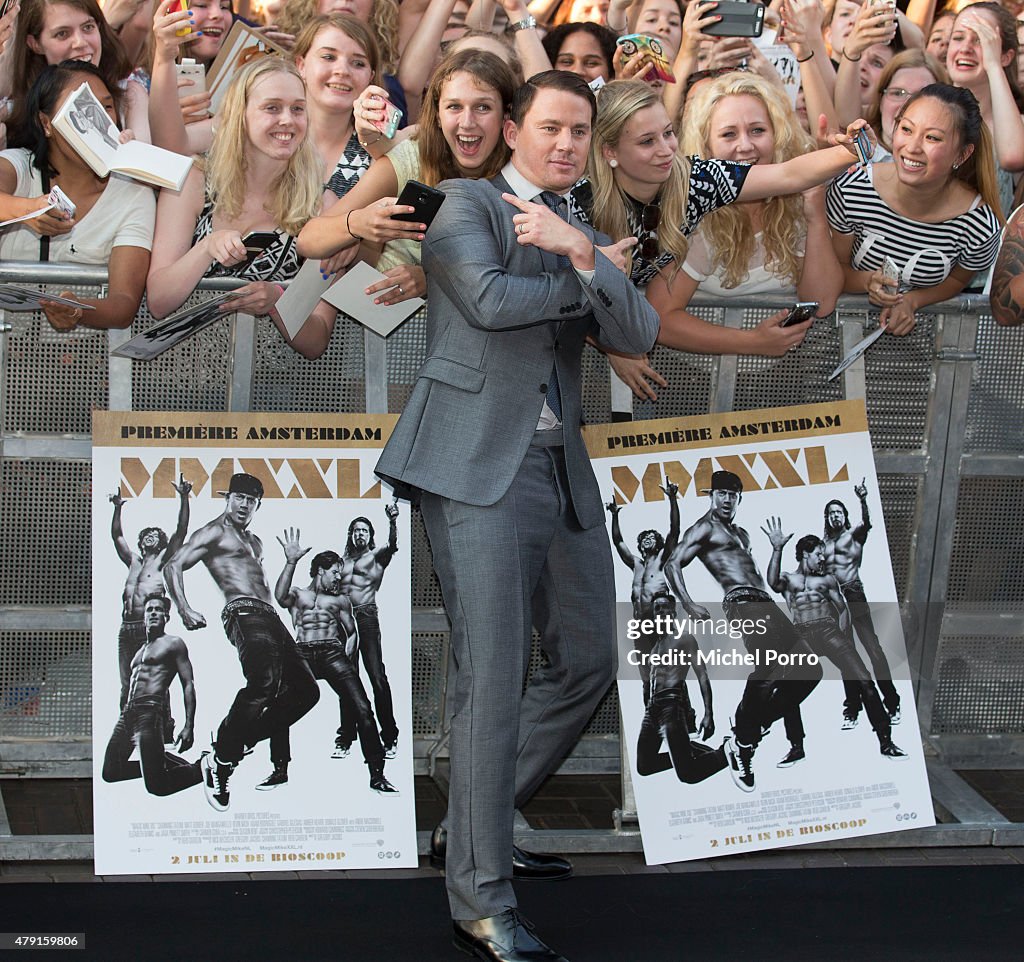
(555, 203)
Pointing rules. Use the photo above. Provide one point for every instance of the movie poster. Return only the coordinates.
(763, 676)
(251, 645)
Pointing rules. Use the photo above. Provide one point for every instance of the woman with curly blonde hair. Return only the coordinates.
(758, 247)
(261, 176)
(644, 187)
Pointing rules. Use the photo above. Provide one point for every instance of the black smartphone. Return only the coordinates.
(426, 200)
(257, 242)
(800, 312)
(738, 19)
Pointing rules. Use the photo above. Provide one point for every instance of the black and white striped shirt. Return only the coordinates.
(925, 253)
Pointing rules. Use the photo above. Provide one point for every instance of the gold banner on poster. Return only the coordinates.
(215, 429)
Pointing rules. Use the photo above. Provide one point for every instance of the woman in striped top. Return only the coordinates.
(933, 210)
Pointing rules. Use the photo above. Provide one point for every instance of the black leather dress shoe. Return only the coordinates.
(502, 938)
(526, 866)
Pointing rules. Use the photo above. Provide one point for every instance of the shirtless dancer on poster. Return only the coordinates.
(156, 664)
(771, 692)
(279, 687)
(669, 716)
(844, 550)
(361, 577)
(650, 588)
(145, 574)
(822, 619)
(325, 635)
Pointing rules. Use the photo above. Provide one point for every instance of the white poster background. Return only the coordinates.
(326, 816)
(844, 787)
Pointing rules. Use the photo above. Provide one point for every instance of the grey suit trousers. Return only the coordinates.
(523, 559)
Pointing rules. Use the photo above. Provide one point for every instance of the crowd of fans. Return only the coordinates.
(725, 177)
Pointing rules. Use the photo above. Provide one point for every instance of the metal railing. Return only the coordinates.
(944, 406)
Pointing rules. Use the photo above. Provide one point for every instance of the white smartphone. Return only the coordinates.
(196, 72)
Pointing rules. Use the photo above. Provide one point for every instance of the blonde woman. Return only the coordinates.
(644, 187)
(262, 174)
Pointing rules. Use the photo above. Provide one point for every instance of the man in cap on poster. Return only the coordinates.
(490, 438)
(279, 688)
(772, 692)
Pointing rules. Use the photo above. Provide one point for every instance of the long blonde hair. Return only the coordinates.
(295, 196)
(728, 231)
(617, 102)
(383, 25)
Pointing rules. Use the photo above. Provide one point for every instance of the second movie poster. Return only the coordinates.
(251, 645)
(763, 679)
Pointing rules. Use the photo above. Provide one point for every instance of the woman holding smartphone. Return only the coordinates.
(261, 176)
(932, 211)
(460, 135)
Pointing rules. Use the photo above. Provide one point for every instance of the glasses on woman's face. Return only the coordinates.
(898, 94)
(650, 220)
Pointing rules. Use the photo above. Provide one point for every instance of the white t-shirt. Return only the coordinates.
(123, 216)
(759, 279)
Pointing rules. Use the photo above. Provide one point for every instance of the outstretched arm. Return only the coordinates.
(671, 490)
(188, 690)
(779, 539)
(685, 552)
(293, 552)
(183, 488)
(625, 554)
(116, 532)
(194, 551)
(860, 533)
(387, 552)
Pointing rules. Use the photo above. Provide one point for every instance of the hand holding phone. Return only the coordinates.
(890, 276)
(800, 312)
(392, 118)
(738, 19)
(426, 200)
(175, 6)
(639, 43)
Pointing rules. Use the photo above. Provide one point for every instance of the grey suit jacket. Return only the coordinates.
(497, 321)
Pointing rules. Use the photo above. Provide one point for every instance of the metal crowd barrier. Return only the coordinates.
(945, 409)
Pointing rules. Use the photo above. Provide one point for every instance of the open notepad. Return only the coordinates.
(90, 131)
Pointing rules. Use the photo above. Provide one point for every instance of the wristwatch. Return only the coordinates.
(529, 22)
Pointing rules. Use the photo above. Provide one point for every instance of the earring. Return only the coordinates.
(613, 163)
(956, 166)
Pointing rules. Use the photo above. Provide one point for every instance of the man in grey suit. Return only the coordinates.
(490, 441)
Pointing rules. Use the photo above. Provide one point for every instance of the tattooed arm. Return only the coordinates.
(1008, 276)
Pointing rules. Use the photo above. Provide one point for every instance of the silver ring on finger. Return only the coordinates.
(401, 290)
